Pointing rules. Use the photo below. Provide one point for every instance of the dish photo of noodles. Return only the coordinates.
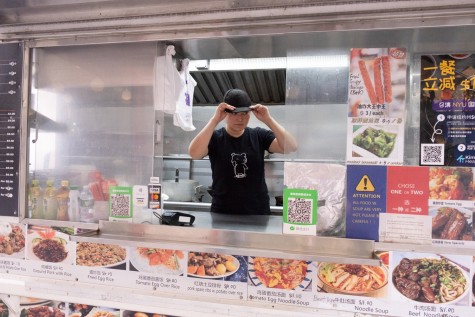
(279, 273)
(430, 280)
(353, 279)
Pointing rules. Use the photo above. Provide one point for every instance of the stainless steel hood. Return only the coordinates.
(263, 86)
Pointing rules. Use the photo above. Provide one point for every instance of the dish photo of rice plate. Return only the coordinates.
(49, 246)
(99, 254)
(159, 261)
(435, 280)
(211, 265)
(280, 273)
(352, 279)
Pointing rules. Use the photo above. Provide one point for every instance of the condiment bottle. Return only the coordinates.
(50, 202)
(36, 192)
(62, 196)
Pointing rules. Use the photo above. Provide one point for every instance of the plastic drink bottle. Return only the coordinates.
(62, 196)
(73, 210)
(50, 202)
(86, 205)
(36, 198)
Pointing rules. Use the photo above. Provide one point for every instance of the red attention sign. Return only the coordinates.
(407, 190)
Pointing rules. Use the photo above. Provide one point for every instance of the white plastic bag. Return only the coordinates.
(183, 113)
(166, 82)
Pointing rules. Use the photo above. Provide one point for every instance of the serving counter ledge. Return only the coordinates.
(247, 236)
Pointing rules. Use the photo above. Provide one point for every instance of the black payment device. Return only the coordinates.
(175, 218)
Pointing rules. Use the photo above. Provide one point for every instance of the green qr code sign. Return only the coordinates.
(300, 206)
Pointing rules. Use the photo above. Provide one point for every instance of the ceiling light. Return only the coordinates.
(318, 61)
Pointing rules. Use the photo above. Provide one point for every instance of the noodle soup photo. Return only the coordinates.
(430, 278)
(353, 279)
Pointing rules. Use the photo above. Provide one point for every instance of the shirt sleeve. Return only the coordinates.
(212, 143)
(266, 136)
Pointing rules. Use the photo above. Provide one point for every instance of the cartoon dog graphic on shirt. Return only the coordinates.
(239, 162)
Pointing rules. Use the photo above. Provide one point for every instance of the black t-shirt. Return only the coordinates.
(237, 166)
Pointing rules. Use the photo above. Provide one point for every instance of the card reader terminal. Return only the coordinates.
(175, 218)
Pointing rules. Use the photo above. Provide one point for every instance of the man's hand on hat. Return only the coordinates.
(221, 113)
(261, 112)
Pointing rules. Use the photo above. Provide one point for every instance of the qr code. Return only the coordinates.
(120, 205)
(299, 210)
(432, 154)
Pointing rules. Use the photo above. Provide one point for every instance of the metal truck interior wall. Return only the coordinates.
(103, 96)
(92, 110)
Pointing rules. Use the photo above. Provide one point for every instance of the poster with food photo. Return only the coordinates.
(218, 275)
(353, 279)
(285, 274)
(433, 279)
(9, 306)
(12, 240)
(454, 185)
(103, 255)
(84, 310)
(50, 244)
(473, 281)
(377, 82)
(447, 106)
(216, 266)
(452, 223)
(157, 261)
(40, 307)
(375, 141)
(131, 313)
(281, 281)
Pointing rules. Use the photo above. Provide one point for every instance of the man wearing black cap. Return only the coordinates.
(236, 153)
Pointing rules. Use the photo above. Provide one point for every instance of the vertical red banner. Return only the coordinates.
(407, 190)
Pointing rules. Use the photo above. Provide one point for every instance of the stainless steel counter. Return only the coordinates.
(231, 234)
(252, 223)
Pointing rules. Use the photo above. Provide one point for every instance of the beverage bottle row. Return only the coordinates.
(64, 203)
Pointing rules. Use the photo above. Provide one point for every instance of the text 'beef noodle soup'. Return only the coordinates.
(429, 280)
(352, 278)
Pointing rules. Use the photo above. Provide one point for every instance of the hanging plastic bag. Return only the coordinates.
(183, 113)
(166, 82)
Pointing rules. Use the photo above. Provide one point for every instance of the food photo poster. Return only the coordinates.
(377, 105)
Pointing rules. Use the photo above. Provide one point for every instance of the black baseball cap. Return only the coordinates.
(239, 99)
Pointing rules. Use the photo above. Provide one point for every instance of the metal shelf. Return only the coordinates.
(184, 157)
(423, 248)
(246, 243)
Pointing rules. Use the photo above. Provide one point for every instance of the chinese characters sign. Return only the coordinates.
(447, 110)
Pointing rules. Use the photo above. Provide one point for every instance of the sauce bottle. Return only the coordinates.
(36, 198)
(62, 196)
(50, 202)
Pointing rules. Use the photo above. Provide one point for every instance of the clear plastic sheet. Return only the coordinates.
(329, 180)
